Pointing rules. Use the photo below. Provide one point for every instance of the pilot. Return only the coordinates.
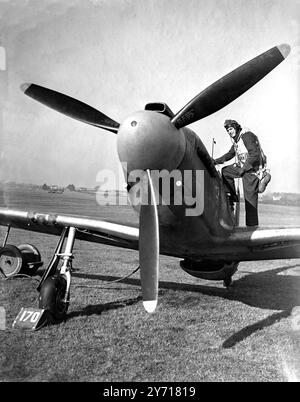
(248, 159)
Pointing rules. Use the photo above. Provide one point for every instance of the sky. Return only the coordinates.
(118, 55)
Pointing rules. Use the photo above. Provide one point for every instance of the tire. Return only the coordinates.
(51, 297)
(31, 259)
(11, 260)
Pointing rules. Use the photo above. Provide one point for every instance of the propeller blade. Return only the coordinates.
(70, 107)
(230, 87)
(149, 246)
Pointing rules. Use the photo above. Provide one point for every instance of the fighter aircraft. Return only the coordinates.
(203, 230)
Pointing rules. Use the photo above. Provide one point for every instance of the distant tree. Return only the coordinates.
(45, 187)
(71, 187)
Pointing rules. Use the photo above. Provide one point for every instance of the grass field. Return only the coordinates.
(200, 331)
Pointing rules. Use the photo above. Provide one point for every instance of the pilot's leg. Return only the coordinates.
(229, 173)
(250, 184)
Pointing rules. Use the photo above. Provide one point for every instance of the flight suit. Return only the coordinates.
(246, 149)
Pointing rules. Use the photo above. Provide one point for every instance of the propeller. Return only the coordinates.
(230, 87)
(70, 107)
(213, 98)
(149, 245)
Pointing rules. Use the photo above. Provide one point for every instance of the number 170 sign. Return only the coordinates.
(30, 318)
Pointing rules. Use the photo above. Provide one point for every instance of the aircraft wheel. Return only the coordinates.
(31, 258)
(10, 260)
(52, 295)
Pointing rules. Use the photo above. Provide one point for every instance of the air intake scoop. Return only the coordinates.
(160, 107)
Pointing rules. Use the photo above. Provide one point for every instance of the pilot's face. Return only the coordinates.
(231, 131)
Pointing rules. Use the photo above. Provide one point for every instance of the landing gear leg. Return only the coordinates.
(227, 282)
(229, 270)
(55, 289)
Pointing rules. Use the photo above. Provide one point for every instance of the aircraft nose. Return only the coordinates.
(148, 140)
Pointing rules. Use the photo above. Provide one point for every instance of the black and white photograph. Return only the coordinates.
(149, 193)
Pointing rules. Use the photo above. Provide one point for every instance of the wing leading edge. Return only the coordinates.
(88, 229)
(264, 243)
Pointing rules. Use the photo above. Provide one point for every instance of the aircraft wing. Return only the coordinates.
(93, 230)
(263, 243)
